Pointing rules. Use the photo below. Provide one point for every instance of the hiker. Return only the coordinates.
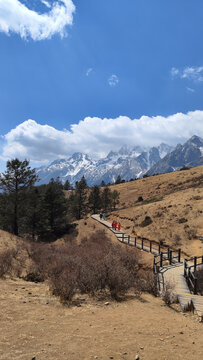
(119, 226)
(104, 216)
(100, 215)
(115, 225)
(112, 224)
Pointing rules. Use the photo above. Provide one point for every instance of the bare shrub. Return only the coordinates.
(191, 234)
(177, 239)
(6, 258)
(147, 221)
(182, 220)
(199, 275)
(148, 282)
(168, 295)
(95, 267)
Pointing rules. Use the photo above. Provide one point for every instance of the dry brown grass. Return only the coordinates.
(173, 201)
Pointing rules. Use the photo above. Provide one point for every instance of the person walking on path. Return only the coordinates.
(104, 216)
(115, 225)
(119, 226)
(100, 215)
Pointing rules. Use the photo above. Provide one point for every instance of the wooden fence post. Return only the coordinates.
(195, 263)
(170, 256)
(159, 248)
(179, 255)
(150, 244)
(195, 286)
(135, 241)
(142, 244)
(128, 239)
(161, 259)
(122, 237)
(185, 268)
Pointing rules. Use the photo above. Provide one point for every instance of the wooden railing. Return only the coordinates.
(162, 253)
(169, 257)
(190, 272)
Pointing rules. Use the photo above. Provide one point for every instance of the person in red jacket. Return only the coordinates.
(119, 226)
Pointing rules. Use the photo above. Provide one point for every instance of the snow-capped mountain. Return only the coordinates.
(189, 154)
(128, 162)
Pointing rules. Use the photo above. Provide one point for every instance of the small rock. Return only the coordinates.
(24, 302)
(106, 303)
(46, 303)
(161, 339)
(142, 347)
(30, 293)
(96, 357)
(125, 353)
(110, 357)
(137, 357)
(34, 358)
(181, 332)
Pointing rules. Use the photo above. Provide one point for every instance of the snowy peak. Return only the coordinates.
(128, 162)
(184, 155)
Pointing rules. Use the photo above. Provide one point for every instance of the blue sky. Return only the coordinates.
(67, 67)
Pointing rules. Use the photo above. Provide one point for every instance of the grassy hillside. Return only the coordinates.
(173, 201)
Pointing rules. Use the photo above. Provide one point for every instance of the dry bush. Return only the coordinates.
(6, 259)
(147, 221)
(11, 262)
(177, 239)
(191, 234)
(96, 267)
(168, 295)
(148, 282)
(199, 275)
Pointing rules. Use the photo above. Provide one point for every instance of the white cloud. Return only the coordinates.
(95, 136)
(46, 3)
(113, 80)
(174, 71)
(194, 73)
(190, 89)
(89, 71)
(16, 17)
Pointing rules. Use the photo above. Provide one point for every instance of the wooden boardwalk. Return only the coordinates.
(171, 275)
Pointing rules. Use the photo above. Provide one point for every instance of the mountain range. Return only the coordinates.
(128, 162)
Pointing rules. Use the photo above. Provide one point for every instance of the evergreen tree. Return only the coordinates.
(33, 219)
(67, 186)
(94, 200)
(54, 212)
(115, 198)
(106, 198)
(14, 182)
(103, 183)
(118, 180)
(78, 199)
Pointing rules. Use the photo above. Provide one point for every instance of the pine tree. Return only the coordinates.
(94, 200)
(67, 185)
(14, 182)
(115, 198)
(106, 198)
(78, 199)
(118, 180)
(54, 211)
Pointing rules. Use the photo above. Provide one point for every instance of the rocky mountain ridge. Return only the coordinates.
(128, 162)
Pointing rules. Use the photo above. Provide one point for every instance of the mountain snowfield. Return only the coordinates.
(128, 162)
